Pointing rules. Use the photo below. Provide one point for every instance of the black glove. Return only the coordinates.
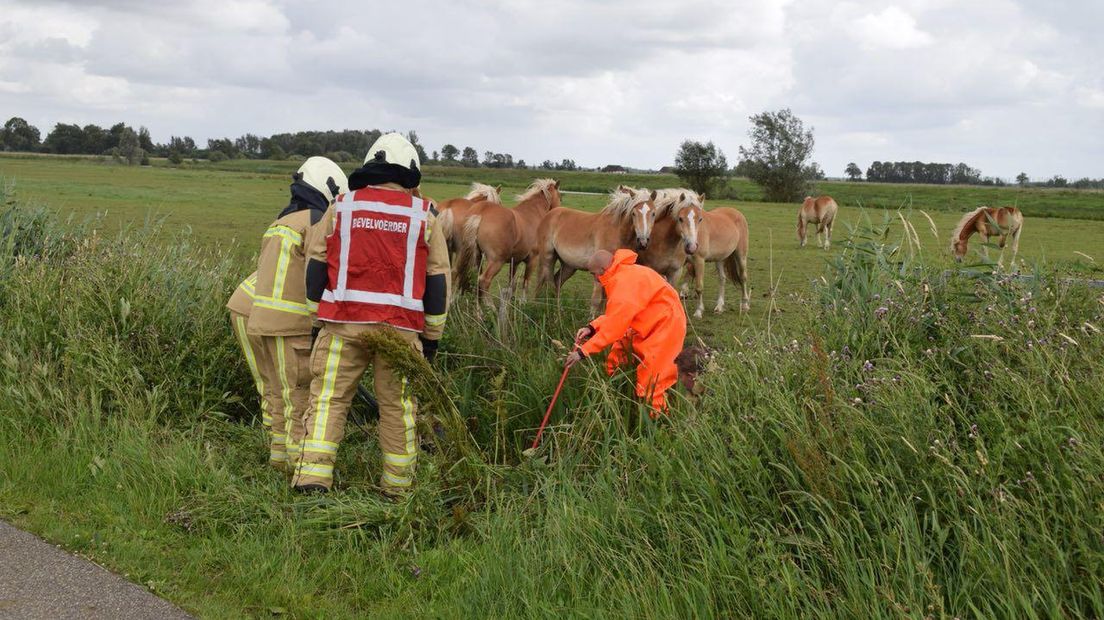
(314, 334)
(429, 348)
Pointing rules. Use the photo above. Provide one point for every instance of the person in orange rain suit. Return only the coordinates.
(644, 317)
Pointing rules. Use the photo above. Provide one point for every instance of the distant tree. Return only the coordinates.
(216, 156)
(95, 140)
(700, 166)
(130, 147)
(1021, 179)
(567, 164)
(227, 147)
(469, 158)
(1057, 181)
(547, 165)
(781, 151)
(853, 172)
(248, 146)
(449, 152)
(435, 157)
(521, 164)
(144, 139)
(488, 159)
(175, 158)
(412, 136)
(277, 153)
(64, 139)
(19, 135)
(742, 169)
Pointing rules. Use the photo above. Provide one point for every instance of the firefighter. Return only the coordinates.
(280, 317)
(644, 320)
(377, 261)
(240, 306)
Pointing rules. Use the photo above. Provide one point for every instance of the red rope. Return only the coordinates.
(548, 413)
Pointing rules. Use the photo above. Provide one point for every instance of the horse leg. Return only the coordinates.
(699, 285)
(596, 295)
(828, 234)
(525, 279)
(820, 234)
(493, 267)
(719, 308)
(684, 288)
(801, 230)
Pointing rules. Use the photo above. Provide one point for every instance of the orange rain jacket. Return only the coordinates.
(643, 315)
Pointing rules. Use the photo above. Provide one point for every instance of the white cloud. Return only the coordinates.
(892, 28)
(997, 83)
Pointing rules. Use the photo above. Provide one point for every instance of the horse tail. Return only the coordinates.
(446, 222)
(1016, 234)
(468, 244)
(801, 224)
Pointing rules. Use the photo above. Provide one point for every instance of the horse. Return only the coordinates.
(675, 234)
(820, 211)
(454, 212)
(987, 221)
(500, 235)
(722, 239)
(570, 237)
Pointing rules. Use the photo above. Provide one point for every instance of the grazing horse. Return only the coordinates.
(820, 211)
(679, 217)
(988, 221)
(722, 239)
(454, 212)
(503, 236)
(570, 237)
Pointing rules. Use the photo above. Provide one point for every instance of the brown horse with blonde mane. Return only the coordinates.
(454, 212)
(569, 237)
(820, 211)
(679, 218)
(1004, 222)
(502, 236)
(722, 239)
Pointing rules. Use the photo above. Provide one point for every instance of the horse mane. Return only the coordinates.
(621, 202)
(966, 220)
(539, 186)
(667, 200)
(484, 190)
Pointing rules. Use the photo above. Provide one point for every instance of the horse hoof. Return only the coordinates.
(698, 313)
(718, 310)
(745, 307)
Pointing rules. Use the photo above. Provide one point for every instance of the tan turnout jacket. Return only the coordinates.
(242, 299)
(280, 302)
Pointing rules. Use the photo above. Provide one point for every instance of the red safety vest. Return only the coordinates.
(376, 258)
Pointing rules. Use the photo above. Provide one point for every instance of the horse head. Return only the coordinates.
(643, 212)
(689, 222)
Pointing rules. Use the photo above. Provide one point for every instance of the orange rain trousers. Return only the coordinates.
(644, 320)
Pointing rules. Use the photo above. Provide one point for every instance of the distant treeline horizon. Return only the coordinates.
(123, 142)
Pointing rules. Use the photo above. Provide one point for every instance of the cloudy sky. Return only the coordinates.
(1006, 86)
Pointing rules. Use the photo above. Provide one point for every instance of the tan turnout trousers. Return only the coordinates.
(338, 362)
(251, 347)
(285, 370)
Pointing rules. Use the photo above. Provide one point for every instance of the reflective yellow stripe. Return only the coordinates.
(281, 369)
(278, 457)
(312, 307)
(329, 377)
(314, 469)
(284, 232)
(433, 320)
(399, 460)
(396, 481)
(320, 446)
(249, 286)
(282, 305)
(408, 420)
(251, 361)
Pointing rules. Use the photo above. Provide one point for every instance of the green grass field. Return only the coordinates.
(903, 441)
(228, 205)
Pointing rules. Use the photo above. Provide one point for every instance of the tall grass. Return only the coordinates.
(930, 446)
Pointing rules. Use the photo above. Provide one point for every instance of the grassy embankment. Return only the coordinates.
(933, 447)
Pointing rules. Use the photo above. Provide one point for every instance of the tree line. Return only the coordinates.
(135, 146)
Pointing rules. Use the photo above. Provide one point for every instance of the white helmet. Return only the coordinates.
(393, 148)
(324, 175)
